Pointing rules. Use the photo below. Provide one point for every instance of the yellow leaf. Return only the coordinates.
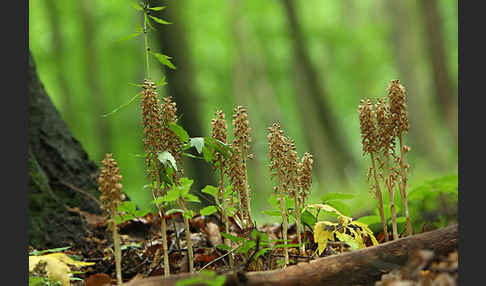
(56, 269)
(66, 259)
(367, 231)
(323, 231)
(327, 208)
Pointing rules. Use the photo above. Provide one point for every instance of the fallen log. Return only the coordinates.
(360, 267)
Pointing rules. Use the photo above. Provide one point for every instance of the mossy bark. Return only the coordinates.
(57, 162)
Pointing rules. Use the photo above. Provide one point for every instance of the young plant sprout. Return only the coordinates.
(111, 196)
(219, 131)
(399, 119)
(369, 138)
(278, 147)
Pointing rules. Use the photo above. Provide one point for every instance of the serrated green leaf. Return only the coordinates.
(184, 186)
(128, 37)
(160, 21)
(157, 8)
(208, 210)
(163, 59)
(179, 131)
(123, 105)
(198, 143)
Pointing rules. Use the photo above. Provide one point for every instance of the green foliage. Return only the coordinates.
(37, 252)
(42, 281)
(127, 210)
(206, 277)
(434, 202)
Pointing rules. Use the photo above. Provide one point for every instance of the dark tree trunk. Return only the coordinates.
(60, 173)
(445, 91)
(181, 86)
(402, 40)
(312, 92)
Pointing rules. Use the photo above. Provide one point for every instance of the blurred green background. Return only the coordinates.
(305, 64)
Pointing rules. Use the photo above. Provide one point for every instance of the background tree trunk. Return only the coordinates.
(181, 86)
(313, 102)
(445, 91)
(58, 169)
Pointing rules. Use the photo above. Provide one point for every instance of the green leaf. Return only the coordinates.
(171, 196)
(39, 252)
(273, 213)
(161, 81)
(208, 210)
(163, 59)
(157, 8)
(184, 186)
(172, 211)
(136, 6)
(370, 219)
(197, 142)
(208, 155)
(235, 239)
(189, 214)
(261, 252)
(191, 198)
(211, 190)
(336, 196)
(341, 207)
(160, 21)
(148, 21)
(223, 247)
(167, 159)
(179, 131)
(128, 37)
(123, 105)
(307, 218)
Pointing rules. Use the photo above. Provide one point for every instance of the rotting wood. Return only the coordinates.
(361, 267)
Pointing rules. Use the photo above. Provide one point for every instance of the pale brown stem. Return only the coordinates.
(391, 189)
(163, 224)
(224, 211)
(297, 222)
(380, 198)
(284, 222)
(116, 243)
(403, 186)
(190, 251)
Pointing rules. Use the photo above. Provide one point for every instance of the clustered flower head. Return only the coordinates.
(398, 107)
(304, 172)
(171, 142)
(219, 129)
(386, 139)
(109, 184)
(277, 148)
(367, 124)
(291, 167)
(152, 122)
(241, 129)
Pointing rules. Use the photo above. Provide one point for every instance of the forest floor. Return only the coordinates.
(142, 252)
